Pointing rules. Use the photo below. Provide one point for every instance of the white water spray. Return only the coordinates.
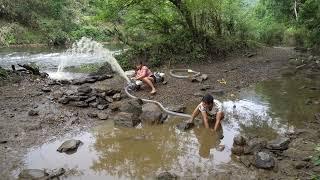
(89, 51)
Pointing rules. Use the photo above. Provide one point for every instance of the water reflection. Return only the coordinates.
(207, 140)
(136, 152)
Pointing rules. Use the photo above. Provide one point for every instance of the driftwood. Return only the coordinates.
(34, 71)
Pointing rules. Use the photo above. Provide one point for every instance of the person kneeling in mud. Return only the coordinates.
(211, 111)
(144, 74)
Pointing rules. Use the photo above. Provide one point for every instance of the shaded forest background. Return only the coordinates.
(163, 30)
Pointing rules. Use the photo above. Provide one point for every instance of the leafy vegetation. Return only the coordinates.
(163, 30)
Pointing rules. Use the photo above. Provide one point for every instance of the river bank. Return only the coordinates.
(31, 114)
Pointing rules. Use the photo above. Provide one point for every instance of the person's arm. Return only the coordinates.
(195, 113)
(218, 118)
(219, 114)
(205, 119)
(143, 74)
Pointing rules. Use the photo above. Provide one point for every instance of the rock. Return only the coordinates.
(151, 114)
(237, 150)
(308, 102)
(101, 100)
(104, 77)
(317, 117)
(179, 108)
(69, 145)
(255, 145)
(300, 164)
(64, 82)
(84, 89)
(199, 94)
(204, 77)
(57, 94)
(165, 82)
(93, 104)
(239, 140)
(166, 176)
(45, 89)
(92, 115)
(90, 80)
(78, 81)
(102, 106)
(64, 100)
(131, 106)
(281, 143)
(103, 116)
(264, 160)
(205, 87)
(220, 148)
(52, 82)
(55, 173)
(218, 92)
(115, 106)
(116, 97)
(124, 119)
(200, 79)
(33, 113)
(77, 98)
(246, 160)
(3, 141)
(183, 126)
(90, 99)
(109, 99)
(297, 154)
(73, 120)
(33, 174)
(82, 104)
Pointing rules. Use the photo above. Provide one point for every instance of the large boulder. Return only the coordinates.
(151, 114)
(264, 160)
(131, 106)
(69, 146)
(84, 89)
(237, 150)
(281, 143)
(255, 145)
(33, 174)
(166, 176)
(125, 119)
(239, 140)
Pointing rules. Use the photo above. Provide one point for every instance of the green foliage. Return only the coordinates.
(3, 73)
(84, 68)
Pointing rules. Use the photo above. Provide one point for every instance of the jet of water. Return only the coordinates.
(87, 49)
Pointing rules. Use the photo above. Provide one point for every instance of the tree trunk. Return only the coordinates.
(295, 10)
(186, 15)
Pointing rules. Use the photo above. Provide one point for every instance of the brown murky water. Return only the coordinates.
(266, 109)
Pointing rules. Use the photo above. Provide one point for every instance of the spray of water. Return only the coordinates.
(86, 50)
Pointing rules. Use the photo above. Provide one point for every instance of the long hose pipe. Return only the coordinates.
(126, 89)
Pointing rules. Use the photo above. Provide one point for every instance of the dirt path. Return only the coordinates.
(20, 131)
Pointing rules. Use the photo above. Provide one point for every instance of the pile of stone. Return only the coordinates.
(258, 151)
(85, 96)
(131, 112)
(90, 79)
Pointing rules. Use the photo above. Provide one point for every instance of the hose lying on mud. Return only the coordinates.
(126, 89)
(195, 74)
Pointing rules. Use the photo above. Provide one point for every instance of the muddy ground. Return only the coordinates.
(19, 130)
